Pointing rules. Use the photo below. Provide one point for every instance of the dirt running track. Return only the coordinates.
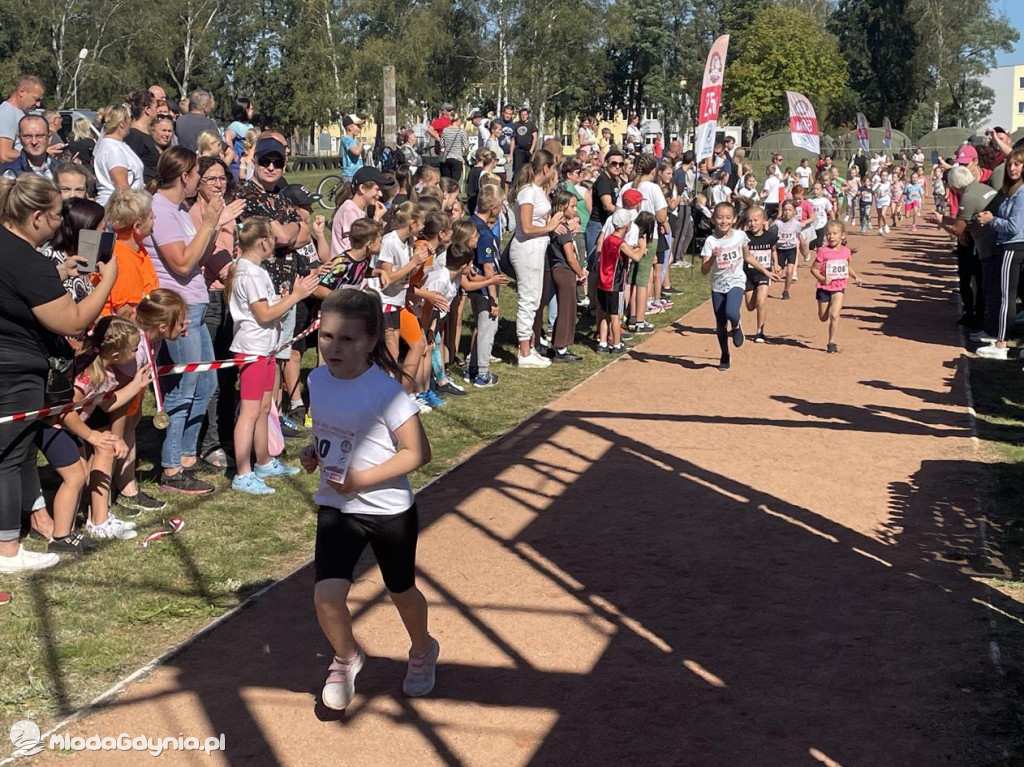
(669, 566)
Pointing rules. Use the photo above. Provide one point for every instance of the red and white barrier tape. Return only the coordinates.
(176, 524)
(202, 367)
(313, 327)
(59, 410)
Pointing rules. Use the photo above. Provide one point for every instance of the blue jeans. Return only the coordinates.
(727, 310)
(593, 231)
(187, 396)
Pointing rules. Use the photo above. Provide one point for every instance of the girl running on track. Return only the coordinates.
(881, 190)
(913, 193)
(832, 269)
(762, 243)
(896, 214)
(851, 188)
(789, 229)
(367, 439)
(724, 253)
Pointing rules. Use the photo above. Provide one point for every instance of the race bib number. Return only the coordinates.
(787, 239)
(764, 257)
(837, 270)
(727, 260)
(334, 448)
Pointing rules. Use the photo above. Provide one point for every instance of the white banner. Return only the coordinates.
(887, 137)
(803, 123)
(711, 99)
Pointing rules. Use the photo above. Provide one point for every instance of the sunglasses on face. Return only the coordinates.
(270, 162)
(615, 165)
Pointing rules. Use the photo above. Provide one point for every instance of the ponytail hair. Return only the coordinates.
(111, 335)
(645, 223)
(250, 231)
(365, 306)
(406, 182)
(541, 160)
(175, 162)
(160, 307)
(349, 191)
(112, 116)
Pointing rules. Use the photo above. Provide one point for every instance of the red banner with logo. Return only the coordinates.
(803, 123)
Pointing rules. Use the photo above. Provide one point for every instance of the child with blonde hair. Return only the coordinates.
(832, 269)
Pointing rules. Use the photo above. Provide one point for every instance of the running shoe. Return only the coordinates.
(129, 525)
(340, 686)
(451, 388)
(112, 528)
(655, 309)
(863, 229)
(74, 543)
(724, 364)
(620, 349)
(796, 277)
(251, 483)
(27, 560)
(432, 399)
(133, 505)
(887, 229)
(289, 429)
(275, 469)
(832, 349)
(566, 356)
(993, 352)
(737, 336)
(603, 349)
(759, 337)
(420, 676)
(469, 375)
(423, 406)
(643, 327)
(185, 482)
(785, 295)
(670, 291)
(532, 360)
(486, 383)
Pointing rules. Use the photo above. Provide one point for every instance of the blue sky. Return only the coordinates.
(1015, 10)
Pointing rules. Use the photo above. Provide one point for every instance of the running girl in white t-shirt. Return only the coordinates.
(367, 439)
(851, 188)
(725, 252)
(881, 190)
(256, 310)
(789, 229)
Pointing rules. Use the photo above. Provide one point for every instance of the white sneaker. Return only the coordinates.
(340, 686)
(423, 406)
(128, 525)
(27, 560)
(887, 229)
(796, 278)
(533, 360)
(992, 352)
(112, 528)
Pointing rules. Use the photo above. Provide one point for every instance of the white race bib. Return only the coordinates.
(837, 270)
(727, 260)
(764, 257)
(334, 448)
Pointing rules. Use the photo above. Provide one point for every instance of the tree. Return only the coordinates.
(964, 37)
(805, 58)
(878, 41)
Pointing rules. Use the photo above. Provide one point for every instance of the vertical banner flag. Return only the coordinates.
(711, 98)
(862, 131)
(803, 123)
(887, 127)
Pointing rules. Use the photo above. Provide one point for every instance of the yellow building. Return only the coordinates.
(1008, 107)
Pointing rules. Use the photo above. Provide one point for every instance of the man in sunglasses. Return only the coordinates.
(606, 191)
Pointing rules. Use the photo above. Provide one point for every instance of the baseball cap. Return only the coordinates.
(298, 194)
(267, 146)
(348, 120)
(476, 113)
(366, 175)
(631, 198)
(446, 107)
(966, 154)
(623, 217)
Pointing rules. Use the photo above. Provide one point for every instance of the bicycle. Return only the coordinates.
(328, 188)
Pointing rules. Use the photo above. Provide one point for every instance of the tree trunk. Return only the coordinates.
(935, 115)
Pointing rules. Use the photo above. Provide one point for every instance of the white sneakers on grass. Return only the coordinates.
(26, 560)
(533, 360)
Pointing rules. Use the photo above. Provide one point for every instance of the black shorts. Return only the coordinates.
(819, 238)
(823, 296)
(611, 301)
(755, 279)
(60, 447)
(341, 539)
(393, 320)
(305, 312)
(787, 256)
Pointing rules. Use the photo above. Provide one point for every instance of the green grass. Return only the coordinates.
(74, 630)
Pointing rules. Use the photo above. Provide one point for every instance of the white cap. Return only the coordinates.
(623, 217)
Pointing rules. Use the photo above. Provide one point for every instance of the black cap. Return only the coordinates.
(476, 113)
(367, 175)
(269, 145)
(298, 194)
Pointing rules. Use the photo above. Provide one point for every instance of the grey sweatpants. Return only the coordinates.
(486, 330)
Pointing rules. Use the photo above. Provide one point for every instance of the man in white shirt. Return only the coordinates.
(27, 95)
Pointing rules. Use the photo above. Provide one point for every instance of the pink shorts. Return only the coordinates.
(257, 378)
(916, 205)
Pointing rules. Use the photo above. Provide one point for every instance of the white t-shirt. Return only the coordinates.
(109, 154)
(822, 207)
(883, 193)
(440, 281)
(397, 252)
(354, 424)
(727, 272)
(875, 164)
(720, 193)
(251, 284)
(750, 194)
(789, 233)
(654, 200)
(537, 197)
(772, 189)
(803, 176)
